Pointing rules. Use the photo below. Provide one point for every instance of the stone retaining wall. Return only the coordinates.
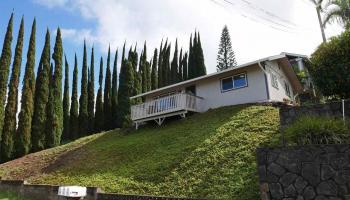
(304, 172)
(49, 192)
(288, 114)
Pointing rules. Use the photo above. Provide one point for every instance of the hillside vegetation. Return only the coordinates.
(208, 155)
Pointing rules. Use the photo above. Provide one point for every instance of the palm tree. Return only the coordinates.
(318, 6)
(338, 10)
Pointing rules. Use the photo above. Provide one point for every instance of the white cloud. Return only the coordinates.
(258, 28)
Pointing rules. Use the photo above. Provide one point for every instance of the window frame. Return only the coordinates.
(233, 83)
(287, 89)
(273, 78)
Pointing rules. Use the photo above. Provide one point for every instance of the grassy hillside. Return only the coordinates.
(208, 155)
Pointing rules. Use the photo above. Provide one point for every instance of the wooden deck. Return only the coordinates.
(159, 109)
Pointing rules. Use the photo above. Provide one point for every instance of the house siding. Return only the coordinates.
(210, 90)
(280, 93)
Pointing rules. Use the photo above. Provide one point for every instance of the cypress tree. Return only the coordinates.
(154, 78)
(180, 76)
(74, 109)
(125, 91)
(201, 70)
(165, 79)
(185, 67)
(121, 82)
(191, 73)
(160, 66)
(41, 98)
(10, 122)
(23, 133)
(55, 114)
(115, 91)
(144, 70)
(83, 100)
(66, 103)
(5, 62)
(133, 58)
(99, 121)
(174, 67)
(107, 104)
(167, 65)
(91, 94)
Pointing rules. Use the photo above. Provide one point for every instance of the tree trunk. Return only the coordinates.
(321, 25)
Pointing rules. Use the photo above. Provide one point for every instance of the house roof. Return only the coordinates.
(283, 56)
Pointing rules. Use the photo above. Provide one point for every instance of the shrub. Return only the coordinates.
(317, 130)
(330, 67)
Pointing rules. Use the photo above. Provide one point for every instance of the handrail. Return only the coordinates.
(167, 104)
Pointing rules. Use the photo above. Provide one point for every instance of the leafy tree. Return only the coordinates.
(174, 67)
(143, 69)
(83, 101)
(167, 65)
(107, 103)
(5, 62)
(338, 10)
(226, 57)
(91, 93)
(55, 115)
(23, 133)
(330, 67)
(115, 91)
(99, 117)
(10, 122)
(154, 78)
(66, 103)
(121, 82)
(41, 98)
(74, 109)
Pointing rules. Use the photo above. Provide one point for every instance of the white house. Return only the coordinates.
(270, 79)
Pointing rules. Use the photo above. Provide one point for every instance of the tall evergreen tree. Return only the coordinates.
(185, 67)
(66, 102)
(180, 74)
(201, 69)
(83, 100)
(107, 104)
(133, 58)
(125, 91)
(190, 66)
(10, 122)
(5, 62)
(226, 56)
(99, 117)
(74, 109)
(121, 82)
(41, 98)
(174, 66)
(91, 94)
(23, 133)
(55, 115)
(154, 78)
(115, 91)
(167, 65)
(160, 66)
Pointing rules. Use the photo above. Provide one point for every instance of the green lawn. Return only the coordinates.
(208, 155)
(10, 196)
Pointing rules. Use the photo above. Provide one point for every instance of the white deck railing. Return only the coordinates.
(166, 105)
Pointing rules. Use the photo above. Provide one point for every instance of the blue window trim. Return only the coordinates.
(246, 85)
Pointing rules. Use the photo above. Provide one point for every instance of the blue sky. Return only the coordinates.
(258, 28)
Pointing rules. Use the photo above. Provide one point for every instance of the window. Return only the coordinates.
(234, 82)
(287, 89)
(274, 80)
